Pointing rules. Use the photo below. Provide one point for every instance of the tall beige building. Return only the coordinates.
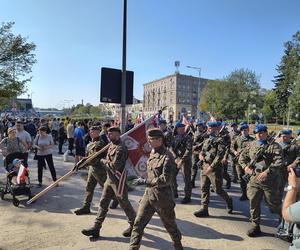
(180, 93)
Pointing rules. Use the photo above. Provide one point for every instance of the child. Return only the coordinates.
(18, 172)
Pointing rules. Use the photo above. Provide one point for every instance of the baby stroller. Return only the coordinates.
(22, 187)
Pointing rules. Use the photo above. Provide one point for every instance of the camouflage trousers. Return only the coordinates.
(108, 193)
(241, 173)
(95, 175)
(283, 181)
(195, 159)
(214, 179)
(185, 167)
(256, 191)
(145, 212)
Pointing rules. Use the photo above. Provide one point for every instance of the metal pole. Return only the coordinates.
(123, 93)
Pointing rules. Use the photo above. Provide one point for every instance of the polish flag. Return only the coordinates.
(21, 174)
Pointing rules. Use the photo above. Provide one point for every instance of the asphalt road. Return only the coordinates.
(50, 223)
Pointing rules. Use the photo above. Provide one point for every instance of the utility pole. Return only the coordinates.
(198, 95)
(123, 89)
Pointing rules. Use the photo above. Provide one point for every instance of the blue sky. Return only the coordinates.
(75, 38)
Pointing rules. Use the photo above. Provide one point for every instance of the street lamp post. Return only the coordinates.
(198, 97)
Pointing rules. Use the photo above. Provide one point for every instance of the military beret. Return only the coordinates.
(244, 126)
(243, 123)
(179, 125)
(233, 124)
(200, 123)
(286, 132)
(155, 132)
(298, 131)
(212, 124)
(219, 123)
(260, 128)
(162, 122)
(95, 128)
(224, 124)
(114, 129)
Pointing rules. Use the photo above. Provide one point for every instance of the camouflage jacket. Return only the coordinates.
(115, 159)
(93, 147)
(226, 142)
(270, 160)
(240, 143)
(291, 155)
(199, 138)
(182, 147)
(213, 151)
(160, 169)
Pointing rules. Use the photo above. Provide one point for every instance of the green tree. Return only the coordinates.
(269, 109)
(16, 61)
(288, 72)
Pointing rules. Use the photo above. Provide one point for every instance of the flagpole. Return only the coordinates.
(88, 160)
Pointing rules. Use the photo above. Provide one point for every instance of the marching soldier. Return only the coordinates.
(238, 145)
(233, 135)
(262, 160)
(199, 137)
(182, 151)
(96, 172)
(158, 194)
(115, 184)
(167, 133)
(226, 141)
(291, 157)
(212, 153)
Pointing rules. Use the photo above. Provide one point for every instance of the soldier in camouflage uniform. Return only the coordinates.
(158, 196)
(199, 137)
(237, 147)
(264, 180)
(96, 172)
(167, 133)
(235, 132)
(291, 157)
(212, 154)
(115, 165)
(182, 151)
(226, 141)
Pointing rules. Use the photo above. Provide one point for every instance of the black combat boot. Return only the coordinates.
(201, 213)
(230, 206)
(83, 210)
(254, 231)
(114, 204)
(127, 232)
(93, 231)
(186, 200)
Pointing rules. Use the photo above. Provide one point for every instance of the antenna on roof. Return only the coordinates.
(177, 64)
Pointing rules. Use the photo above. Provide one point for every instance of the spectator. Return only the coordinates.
(44, 142)
(54, 130)
(290, 209)
(11, 144)
(70, 136)
(61, 137)
(25, 138)
(31, 128)
(79, 141)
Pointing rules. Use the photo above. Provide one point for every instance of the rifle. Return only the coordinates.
(253, 163)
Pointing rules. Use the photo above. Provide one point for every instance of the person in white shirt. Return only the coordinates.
(70, 136)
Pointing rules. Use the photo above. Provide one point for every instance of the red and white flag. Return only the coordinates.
(21, 174)
(138, 147)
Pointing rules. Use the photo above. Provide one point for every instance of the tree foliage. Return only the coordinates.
(231, 96)
(16, 61)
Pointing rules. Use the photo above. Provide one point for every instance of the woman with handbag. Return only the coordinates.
(43, 142)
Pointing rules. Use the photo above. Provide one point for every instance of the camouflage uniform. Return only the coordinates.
(115, 161)
(233, 136)
(182, 150)
(291, 156)
(213, 151)
(157, 198)
(271, 160)
(239, 144)
(199, 137)
(226, 142)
